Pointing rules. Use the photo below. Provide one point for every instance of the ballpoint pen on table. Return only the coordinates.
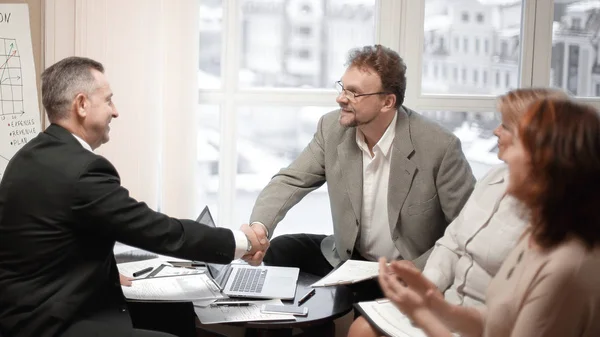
(307, 296)
(230, 304)
(142, 272)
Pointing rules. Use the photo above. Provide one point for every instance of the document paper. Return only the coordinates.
(351, 271)
(178, 288)
(388, 318)
(229, 314)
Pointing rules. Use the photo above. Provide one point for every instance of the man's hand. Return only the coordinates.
(257, 236)
(124, 280)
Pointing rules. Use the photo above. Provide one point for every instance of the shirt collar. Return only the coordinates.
(384, 144)
(83, 143)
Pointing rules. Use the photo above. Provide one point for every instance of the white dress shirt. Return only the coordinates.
(476, 243)
(241, 242)
(375, 238)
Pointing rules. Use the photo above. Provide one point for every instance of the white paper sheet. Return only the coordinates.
(351, 271)
(178, 288)
(228, 314)
(168, 271)
(389, 319)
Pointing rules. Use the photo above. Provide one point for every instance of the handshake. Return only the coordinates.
(258, 242)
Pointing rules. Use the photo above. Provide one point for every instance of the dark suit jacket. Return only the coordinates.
(430, 181)
(62, 208)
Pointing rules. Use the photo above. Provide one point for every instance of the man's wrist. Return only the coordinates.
(253, 223)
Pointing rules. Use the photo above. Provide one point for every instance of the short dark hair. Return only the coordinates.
(562, 141)
(63, 81)
(387, 64)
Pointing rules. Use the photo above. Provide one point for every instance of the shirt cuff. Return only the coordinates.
(262, 224)
(241, 244)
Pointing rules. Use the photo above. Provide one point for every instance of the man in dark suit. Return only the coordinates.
(62, 208)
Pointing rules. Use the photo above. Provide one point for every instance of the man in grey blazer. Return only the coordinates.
(395, 179)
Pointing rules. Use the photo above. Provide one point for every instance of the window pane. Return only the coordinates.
(301, 43)
(270, 139)
(486, 37)
(211, 18)
(207, 171)
(476, 133)
(575, 64)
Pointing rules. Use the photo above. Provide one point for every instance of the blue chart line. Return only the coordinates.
(11, 85)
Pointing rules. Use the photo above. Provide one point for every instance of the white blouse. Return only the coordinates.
(476, 243)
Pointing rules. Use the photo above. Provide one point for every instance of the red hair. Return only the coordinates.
(562, 141)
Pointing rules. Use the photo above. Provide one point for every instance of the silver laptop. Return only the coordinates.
(251, 282)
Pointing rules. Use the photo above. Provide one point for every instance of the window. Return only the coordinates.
(497, 79)
(266, 26)
(305, 30)
(464, 75)
(597, 89)
(209, 76)
(485, 77)
(574, 65)
(507, 80)
(480, 18)
(472, 43)
(245, 135)
(475, 76)
(455, 74)
(303, 53)
(272, 137)
(465, 17)
(573, 69)
(435, 71)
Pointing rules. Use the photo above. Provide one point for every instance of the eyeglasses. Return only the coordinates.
(352, 96)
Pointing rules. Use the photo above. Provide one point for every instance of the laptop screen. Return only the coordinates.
(219, 272)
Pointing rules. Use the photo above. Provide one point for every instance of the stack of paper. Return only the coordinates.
(351, 271)
(249, 312)
(388, 318)
(181, 288)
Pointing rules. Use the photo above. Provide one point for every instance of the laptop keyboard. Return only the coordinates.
(249, 280)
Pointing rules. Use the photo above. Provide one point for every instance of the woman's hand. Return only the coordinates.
(427, 292)
(407, 297)
(411, 292)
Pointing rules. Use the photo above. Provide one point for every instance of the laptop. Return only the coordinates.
(239, 280)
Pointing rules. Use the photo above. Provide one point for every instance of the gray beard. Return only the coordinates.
(354, 122)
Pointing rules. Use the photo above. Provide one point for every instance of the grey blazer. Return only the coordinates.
(430, 181)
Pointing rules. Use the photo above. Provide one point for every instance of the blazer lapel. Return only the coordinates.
(402, 170)
(351, 164)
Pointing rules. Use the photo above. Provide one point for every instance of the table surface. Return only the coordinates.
(327, 304)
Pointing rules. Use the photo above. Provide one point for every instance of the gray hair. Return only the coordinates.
(63, 81)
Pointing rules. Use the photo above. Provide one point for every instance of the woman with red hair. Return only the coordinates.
(549, 285)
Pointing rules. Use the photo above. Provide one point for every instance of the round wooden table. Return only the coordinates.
(326, 305)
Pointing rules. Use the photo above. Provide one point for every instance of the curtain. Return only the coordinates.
(149, 49)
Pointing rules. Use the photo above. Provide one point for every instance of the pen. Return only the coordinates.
(142, 272)
(230, 304)
(307, 296)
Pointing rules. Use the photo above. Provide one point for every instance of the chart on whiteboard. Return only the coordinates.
(11, 94)
(19, 105)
